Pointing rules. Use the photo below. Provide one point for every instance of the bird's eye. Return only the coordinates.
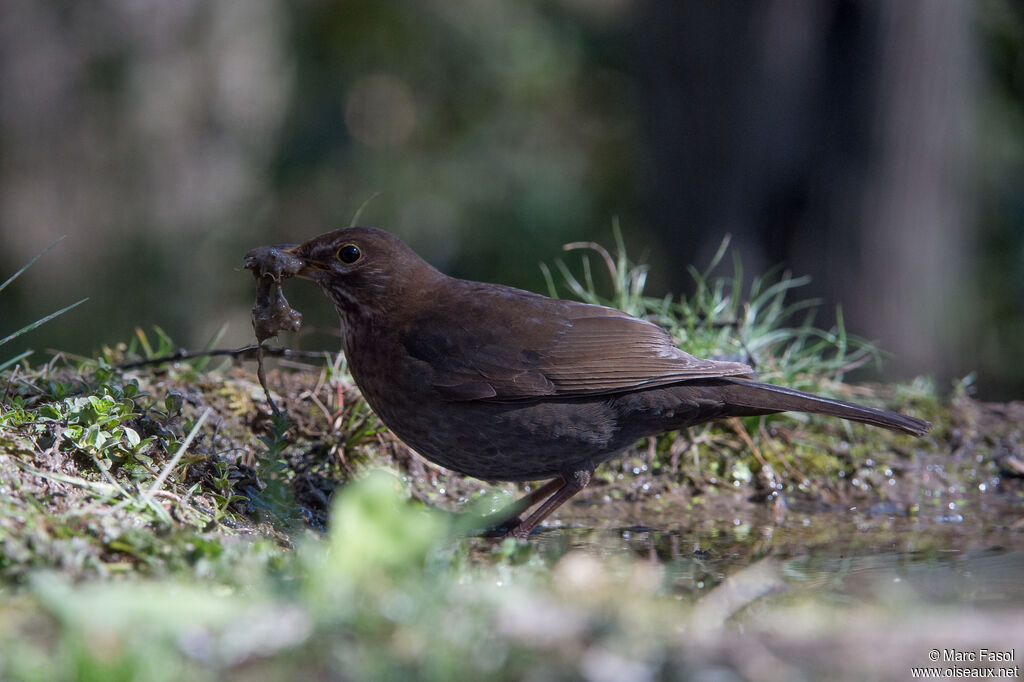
(349, 254)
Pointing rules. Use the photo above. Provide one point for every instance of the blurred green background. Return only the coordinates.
(877, 146)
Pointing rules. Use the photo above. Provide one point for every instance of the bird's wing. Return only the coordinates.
(552, 348)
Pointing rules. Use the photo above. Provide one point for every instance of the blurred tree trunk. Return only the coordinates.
(831, 136)
(917, 247)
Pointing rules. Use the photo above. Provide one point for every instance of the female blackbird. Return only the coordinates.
(503, 384)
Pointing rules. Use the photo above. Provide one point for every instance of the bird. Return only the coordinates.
(502, 384)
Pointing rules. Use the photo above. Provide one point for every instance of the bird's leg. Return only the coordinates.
(572, 484)
(500, 523)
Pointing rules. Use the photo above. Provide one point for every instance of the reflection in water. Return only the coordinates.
(838, 555)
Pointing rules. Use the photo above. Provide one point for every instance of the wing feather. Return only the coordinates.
(559, 348)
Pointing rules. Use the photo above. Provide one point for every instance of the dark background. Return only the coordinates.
(877, 146)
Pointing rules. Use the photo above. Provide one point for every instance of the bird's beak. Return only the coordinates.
(304, 268)
(282, 261)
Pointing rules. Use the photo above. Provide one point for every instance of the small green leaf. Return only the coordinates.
(132, 436)
(49, 412)
(99, 404)
(173, 403)
(131, 389)
(95, 437)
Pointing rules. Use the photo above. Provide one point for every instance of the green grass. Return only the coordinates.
(758, 325)
(29, 327)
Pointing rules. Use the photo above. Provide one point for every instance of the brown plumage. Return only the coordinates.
(503, 384)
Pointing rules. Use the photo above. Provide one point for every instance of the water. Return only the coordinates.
(845, 594)
(973, 557)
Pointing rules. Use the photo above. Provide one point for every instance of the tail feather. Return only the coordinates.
(771, 398)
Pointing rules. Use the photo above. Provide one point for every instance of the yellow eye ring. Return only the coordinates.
(348, 254)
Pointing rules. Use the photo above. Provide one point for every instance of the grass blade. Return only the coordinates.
(30, 327)
(359, 211)
(159, 482)
(30, 263)
(7, 363)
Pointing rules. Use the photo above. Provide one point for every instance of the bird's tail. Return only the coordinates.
(763, 398)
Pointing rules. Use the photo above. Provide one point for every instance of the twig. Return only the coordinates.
(737, 426)
(244, 353)
(261, 374)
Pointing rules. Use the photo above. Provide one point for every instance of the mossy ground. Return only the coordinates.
(222, 570)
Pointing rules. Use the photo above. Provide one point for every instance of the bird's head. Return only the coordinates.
(360, 266)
